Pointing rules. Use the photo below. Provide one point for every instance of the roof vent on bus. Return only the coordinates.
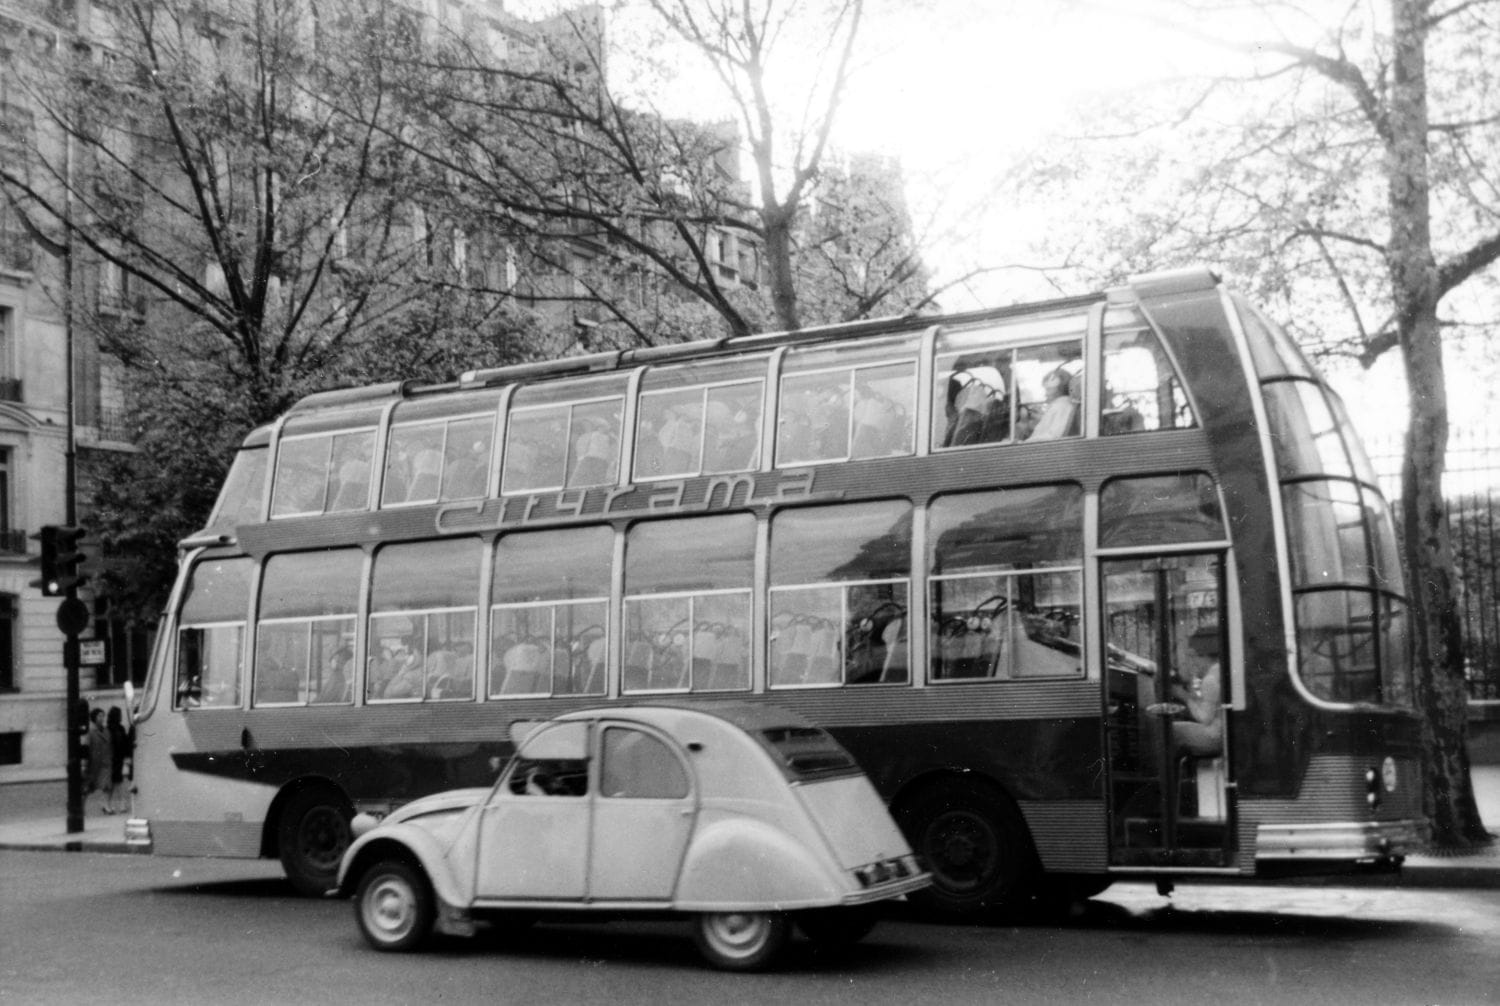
(1152, 285)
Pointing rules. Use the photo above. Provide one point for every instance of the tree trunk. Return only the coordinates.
(1439, 664)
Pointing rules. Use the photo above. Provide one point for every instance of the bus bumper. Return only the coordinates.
(1368, 841)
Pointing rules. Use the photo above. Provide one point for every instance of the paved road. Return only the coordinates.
(86, 927)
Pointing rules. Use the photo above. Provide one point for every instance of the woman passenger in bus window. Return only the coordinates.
(1060, 414)
(336, 683)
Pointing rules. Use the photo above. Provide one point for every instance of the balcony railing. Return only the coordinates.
(12, 542)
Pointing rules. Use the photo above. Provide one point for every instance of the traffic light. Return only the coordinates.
(61, 555)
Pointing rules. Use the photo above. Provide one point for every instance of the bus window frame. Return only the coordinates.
(331, 435)
(880, 355)
(688, 624)
(568, 405)
(705, 389)
(552, 604)
(843, 625)
(395, 425)
(426, 655)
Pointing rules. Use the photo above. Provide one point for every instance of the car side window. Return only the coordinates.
(638, 765)
(550, 777)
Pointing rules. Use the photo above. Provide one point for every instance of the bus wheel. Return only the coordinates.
(976, 845)
(312, 835)
(394, 906)
(741, 941)
(833, 928)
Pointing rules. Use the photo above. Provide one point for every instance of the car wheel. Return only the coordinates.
(394, 906)
(312, 837)
(837, 927)
(741, 941)
(976, 845)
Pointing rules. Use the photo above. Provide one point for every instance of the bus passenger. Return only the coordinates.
(336, 683)
(1060, 415)
(978, 405)
(1203, 734)
(595, 451)
(407, 682)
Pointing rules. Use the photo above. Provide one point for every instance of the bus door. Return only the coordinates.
(1165, 725)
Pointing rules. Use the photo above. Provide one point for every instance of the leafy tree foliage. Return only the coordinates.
(1348, 176)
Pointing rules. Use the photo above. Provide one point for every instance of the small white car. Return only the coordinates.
(748, 818)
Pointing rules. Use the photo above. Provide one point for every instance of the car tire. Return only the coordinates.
(312, 836)
(394, 906)
(832, 928)
(741, 941)
(977, 847)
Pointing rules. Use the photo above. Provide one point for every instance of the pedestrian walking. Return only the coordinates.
(101, 759)
(121, 747)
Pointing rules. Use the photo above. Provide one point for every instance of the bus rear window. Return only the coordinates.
(807, 753)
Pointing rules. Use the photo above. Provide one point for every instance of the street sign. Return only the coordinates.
(91, 651)
(72, 616)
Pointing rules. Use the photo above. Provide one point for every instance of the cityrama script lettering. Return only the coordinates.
(704, 494)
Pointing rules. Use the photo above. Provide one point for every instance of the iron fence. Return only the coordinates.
(1471, 491)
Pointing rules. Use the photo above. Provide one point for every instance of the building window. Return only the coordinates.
(11, 539)
(8, 614)
(10, 384)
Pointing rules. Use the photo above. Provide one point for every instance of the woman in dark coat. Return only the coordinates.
(117, 799)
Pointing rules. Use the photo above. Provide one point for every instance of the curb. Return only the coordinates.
(77, 845)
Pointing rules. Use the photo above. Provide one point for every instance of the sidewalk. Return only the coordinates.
(33, 816)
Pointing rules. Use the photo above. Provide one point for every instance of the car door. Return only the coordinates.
(643, 816)
(534, 834)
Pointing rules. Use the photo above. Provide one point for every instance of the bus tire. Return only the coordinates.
(394, 906)
(838, 927)
(311, 837)
(976, 845)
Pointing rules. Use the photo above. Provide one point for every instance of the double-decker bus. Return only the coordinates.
(1094, 588)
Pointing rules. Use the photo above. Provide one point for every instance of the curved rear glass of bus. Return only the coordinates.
(1348, 591)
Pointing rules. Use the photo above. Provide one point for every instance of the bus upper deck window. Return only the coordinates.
(323, 473)
(1140, 391)
(562, 445)
(429, 461)
(1010, 383)
(848, 403)
(243, 495)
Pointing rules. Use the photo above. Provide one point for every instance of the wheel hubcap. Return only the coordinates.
(323, 837)
(962, 849)
(737, 932)
(390, 909)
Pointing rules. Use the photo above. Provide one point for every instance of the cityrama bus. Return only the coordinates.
(1096, 588)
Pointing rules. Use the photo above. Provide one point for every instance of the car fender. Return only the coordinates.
(745, 864)
(402, 841)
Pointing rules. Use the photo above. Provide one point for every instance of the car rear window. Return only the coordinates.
(807, 753)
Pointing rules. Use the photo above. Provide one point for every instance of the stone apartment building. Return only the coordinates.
(46, 293)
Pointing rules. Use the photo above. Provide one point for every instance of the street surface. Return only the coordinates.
(93, 928)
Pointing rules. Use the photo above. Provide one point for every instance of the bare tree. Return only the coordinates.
(231, 233)
(644, 214)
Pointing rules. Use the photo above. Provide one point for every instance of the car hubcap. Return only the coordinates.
(390, 908)
(737, 933)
